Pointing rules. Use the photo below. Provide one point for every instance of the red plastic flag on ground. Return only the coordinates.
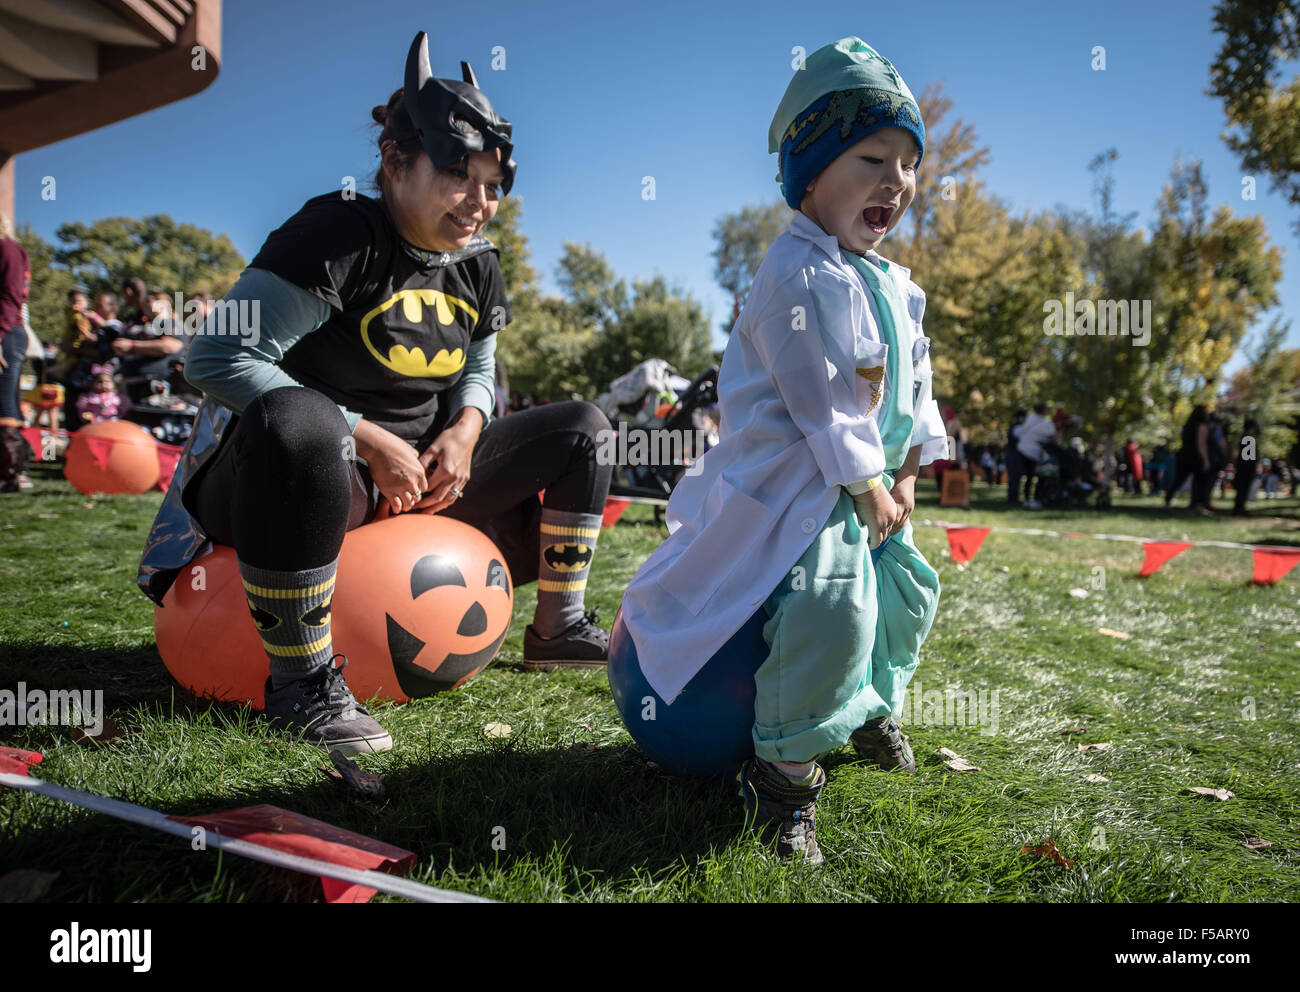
(293, 833)
(1273, 563)
(1159, 552)
(963, 542)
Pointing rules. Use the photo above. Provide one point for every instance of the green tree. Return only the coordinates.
(985, 274)
(512, 245)
(742, 240)
(591, 285)
(1259, 37)
(1268, 389)
(1212, 276)
(658, 322)
(174, 257)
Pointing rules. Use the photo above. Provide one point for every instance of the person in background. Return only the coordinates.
(102, 401)
(1038, 429)
(134, 305)
(1015, 461)
(988, 464)
(1133, 462)
(15, 277)
(146, 347)
(1193, 458)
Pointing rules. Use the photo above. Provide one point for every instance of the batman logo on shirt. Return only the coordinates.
(400, 347)
(567, 557)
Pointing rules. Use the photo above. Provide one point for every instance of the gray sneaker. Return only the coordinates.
(777, 809)
(323, 710)
(884, 742)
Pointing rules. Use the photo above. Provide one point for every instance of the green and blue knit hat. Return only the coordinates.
(844, 92)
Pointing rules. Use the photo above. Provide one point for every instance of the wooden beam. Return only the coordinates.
(127, 86)
(142, 14)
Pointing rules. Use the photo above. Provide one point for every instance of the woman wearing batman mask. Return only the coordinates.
(368, 389)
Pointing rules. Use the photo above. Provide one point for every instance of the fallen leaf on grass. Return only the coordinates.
(25, 884)
(109, 732)
(350, 774)
(1221, 794)
(1250, 843)
(1095, 778)
(1072, 730)
(1114, 633)
(497, 730)
(956, 762)
(1048, 850)
(1079, 593)
(1082, 748)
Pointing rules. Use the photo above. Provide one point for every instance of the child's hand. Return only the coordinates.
(878, 512)
(904, 494)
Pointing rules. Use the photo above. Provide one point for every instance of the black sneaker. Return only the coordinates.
(322, 709)
(884, 742)
(584, 645)
(777, 809)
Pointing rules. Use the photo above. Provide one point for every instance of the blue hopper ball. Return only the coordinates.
(708, 730)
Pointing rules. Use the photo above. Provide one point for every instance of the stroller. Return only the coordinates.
(659, 431)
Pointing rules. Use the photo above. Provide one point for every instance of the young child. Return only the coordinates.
(102, 402)
(827, 416)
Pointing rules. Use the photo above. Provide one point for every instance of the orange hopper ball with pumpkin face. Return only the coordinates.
(421, 604)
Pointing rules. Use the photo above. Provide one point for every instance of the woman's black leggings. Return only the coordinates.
(283, 489)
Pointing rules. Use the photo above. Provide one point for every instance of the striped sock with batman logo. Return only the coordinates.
(568, 545)
(292, 613)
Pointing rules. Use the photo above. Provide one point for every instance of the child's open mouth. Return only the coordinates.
(877, 218)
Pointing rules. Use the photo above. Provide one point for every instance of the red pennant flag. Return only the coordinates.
(613, 510)
(101, 448)
(1273, 563)
(1159, 552)
(168, 456)
(965, 541)
(33, 436)
(282, 830)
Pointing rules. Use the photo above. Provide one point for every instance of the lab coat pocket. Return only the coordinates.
(871, 380)
(922, 373)
(734, 525)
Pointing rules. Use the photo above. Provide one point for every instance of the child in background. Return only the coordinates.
(102, 402)
(827, 417)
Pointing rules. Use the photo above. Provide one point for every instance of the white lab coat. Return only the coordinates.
(797, 424)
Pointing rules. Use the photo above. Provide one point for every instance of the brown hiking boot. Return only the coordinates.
(884, 742)
(778, 809)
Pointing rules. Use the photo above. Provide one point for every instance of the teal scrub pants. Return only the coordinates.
(844, 638)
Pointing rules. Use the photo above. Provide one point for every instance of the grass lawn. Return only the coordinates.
(1203, 693)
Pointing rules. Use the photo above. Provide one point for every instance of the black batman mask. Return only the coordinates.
(453, 118)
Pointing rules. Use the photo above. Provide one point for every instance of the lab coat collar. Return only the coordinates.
(803, 226)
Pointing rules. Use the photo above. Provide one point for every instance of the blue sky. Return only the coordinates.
(602, 95)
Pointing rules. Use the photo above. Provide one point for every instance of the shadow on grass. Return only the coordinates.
(570, 816)
(126, 675)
